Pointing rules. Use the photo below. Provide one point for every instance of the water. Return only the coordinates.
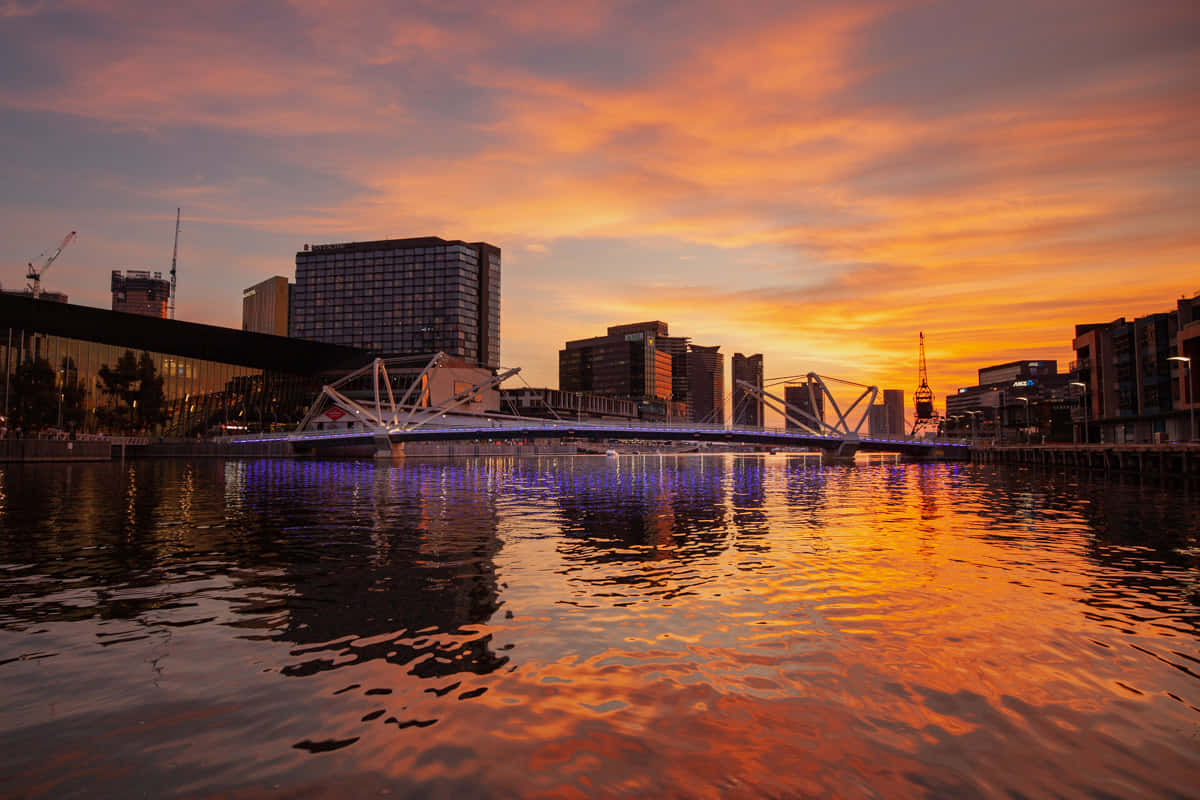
(700, 627)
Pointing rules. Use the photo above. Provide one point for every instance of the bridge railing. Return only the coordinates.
(566, 427)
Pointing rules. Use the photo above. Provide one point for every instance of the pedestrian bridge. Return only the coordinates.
(498, 430)
(366, 413)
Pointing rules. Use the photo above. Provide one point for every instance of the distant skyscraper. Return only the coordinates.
(893, 401)
(877, 420)
(140, 292)
(799, 397)
(266, 306)
(747, 409)
(706, 384)
(401, 297)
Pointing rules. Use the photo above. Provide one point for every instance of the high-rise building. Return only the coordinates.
(798, 396)
(893, 401)
(877, 420)
(140, 292)
(626, 363)
(706, 384)
(266, 306)
(401, 297)
(747, 408)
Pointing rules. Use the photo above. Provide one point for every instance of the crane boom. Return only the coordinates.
(174, 255)
(34, 275)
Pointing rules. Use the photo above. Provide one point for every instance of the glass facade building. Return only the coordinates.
(400, 297)
(53, 357)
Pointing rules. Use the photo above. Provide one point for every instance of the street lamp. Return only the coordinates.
(1025, 400)
(1084, 395)
(1000, 416)
(1187, 376)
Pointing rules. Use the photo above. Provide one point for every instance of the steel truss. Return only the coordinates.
(809, 422)
(413, 409)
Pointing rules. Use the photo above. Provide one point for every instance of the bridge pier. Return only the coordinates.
(386, 448)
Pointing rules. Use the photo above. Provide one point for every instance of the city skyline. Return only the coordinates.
(816, 182)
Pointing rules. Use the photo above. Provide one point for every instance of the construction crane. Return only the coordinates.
(36, 272)
(174, 255)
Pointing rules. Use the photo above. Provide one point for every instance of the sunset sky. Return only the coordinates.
(814, 181)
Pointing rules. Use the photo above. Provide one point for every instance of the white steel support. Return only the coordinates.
(415, 400)
(809, 421)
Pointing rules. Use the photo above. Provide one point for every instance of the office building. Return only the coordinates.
(401, 297)
(212, 378)
(877, 420)
(811, 403)
(667, 376)
(625, 363)
(706, 384)
(886, 419)
(1128, 379)
(266, 307)
(557, 404)
(893, 401)
(139, 291)
(1017, 400)
(747, 407)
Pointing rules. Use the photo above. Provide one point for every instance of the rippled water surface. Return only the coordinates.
(717, 626)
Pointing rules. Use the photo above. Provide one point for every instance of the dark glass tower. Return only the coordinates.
(401, 297)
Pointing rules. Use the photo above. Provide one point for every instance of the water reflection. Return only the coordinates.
(707, 626)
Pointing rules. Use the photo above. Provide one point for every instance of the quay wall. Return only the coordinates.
(1165, 459)
(26, 450)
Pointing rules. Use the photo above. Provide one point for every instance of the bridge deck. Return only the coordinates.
(622, 432)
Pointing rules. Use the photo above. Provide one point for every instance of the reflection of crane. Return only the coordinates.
(35, 272)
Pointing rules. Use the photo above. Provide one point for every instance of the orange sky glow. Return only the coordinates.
(816, 181)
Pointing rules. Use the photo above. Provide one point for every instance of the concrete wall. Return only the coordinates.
(53, 450)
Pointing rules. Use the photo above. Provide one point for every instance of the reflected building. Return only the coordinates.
(211, 376)
(419, 565)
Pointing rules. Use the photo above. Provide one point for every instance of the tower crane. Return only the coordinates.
(35, 272)
(174, 255)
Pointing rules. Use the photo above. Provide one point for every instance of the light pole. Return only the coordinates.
(1000, 417)
(1187, 376)
(1025, 400)
(1083, 395)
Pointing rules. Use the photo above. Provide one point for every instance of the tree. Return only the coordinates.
(35, 395)
(73, 394)
(118, 384)
(134, 382)
(151, 402)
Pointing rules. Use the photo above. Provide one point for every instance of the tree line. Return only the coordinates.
(38, 399)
